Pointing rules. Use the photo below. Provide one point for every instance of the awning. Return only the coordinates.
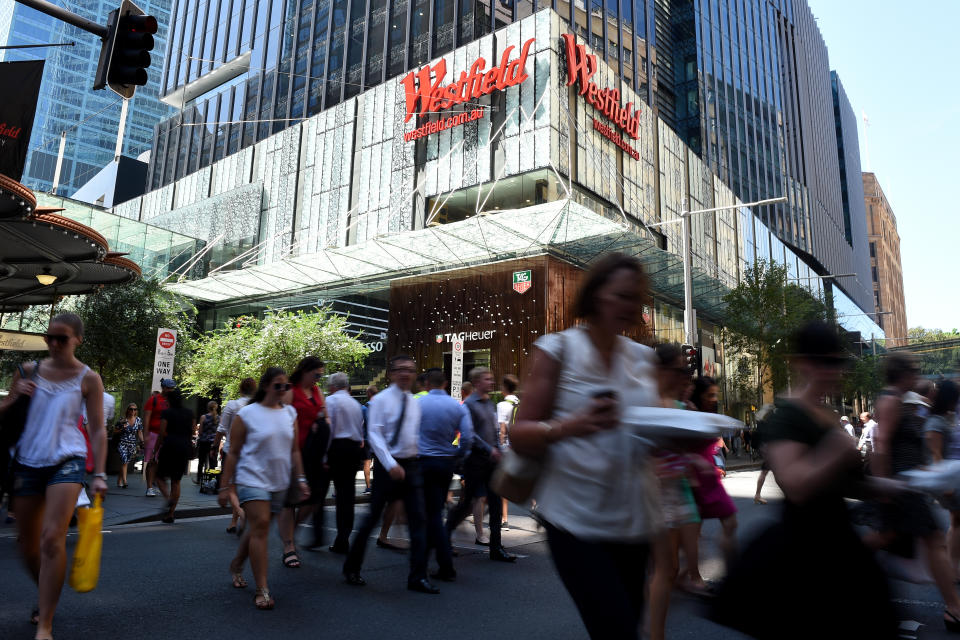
(563, 228)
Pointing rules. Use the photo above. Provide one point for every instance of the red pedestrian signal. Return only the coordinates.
(125, 57)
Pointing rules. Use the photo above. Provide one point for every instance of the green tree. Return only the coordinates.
(761, 314)
(244, 347)
(937, 350)
(865, 377)
(120, 329)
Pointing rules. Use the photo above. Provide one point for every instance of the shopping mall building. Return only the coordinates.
(462, 196)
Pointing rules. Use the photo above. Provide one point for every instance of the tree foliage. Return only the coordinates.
(246, 346)
(120, 329)
(761, 314)
(865, 377)
(938, 351)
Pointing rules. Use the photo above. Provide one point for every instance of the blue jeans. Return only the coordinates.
(33, 481)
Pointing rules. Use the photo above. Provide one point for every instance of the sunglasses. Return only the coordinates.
(404, 370)
(59, 338)
(132, 409)
(282, 386)
(318, 376)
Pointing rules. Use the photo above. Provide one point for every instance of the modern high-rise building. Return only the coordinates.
(858, 279)
(885, 262)
(745, 84)
(67, 101)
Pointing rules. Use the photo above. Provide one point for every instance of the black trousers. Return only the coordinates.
(203, 458)
(384, 491)
(344, 459)
(605, 580)
(476, 483)
(437, 474)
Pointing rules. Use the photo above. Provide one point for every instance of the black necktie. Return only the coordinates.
(399, 426)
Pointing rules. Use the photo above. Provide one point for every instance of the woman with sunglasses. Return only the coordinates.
(50, 457)
(263, 451)
(129, 433)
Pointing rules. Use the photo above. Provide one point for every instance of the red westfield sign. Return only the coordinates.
(580, 67)
(478, 82)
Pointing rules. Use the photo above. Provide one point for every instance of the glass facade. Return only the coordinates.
(744, 83)
(66, 97)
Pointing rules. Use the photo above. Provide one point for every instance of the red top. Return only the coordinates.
(307, 409)
(156, 404)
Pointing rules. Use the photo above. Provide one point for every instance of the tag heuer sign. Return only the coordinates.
(522, 281)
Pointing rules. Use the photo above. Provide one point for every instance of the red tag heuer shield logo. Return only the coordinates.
(522, 281)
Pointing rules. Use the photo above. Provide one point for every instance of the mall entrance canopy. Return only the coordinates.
(563, 229)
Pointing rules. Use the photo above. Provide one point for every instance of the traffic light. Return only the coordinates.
(124, 56)
(690, 359)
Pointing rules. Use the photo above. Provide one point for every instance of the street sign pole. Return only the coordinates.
(456, 369)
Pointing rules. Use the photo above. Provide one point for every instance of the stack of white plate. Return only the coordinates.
(677, 428)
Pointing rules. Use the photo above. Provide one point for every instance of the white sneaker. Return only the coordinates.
(151, 493)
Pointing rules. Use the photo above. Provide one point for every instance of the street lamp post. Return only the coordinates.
(689, 313)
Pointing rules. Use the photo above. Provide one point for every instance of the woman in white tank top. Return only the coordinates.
(263, 452)
(50, 457)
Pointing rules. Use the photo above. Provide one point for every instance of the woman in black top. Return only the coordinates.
(176, 433)
(809, 575)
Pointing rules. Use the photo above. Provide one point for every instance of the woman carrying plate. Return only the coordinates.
(809, 575)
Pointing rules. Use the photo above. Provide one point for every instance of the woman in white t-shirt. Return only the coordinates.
(263, 450)
(596, 496)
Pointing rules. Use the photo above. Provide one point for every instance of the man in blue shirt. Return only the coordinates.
(441, 417)
(478, 469)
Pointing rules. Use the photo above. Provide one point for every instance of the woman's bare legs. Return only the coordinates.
(42, 523)
(665, 566)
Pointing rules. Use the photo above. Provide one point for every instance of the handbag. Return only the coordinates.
(14, 419)
(85, 570)
(516, 476)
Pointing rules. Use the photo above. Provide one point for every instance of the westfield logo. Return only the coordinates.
(580, 68)
(425, 95)
(10, 131)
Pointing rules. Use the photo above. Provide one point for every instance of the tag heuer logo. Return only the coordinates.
(439, 338)
(522, 281)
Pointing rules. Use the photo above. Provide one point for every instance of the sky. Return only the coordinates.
(898, 64)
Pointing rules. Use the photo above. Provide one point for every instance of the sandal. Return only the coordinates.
(35, 616)
(238, 581)
(759, 501)
(291, 560)
(262, 599)
(232, 529)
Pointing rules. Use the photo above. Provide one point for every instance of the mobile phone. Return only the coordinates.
(605, 393)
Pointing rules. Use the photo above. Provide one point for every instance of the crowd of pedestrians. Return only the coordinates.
(622, 515)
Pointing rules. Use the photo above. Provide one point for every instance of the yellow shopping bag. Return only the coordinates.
(86, 557)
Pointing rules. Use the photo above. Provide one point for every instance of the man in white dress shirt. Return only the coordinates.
(344, 455)
(393, 427)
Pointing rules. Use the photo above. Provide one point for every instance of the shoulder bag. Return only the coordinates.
(14, 418)
(516, 475)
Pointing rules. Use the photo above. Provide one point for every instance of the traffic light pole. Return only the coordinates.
(62, 14)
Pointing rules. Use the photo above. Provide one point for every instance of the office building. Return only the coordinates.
(67, 101)
(463, 199)
(746, 85)
(885, 265)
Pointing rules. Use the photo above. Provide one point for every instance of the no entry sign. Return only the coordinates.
(166, 349)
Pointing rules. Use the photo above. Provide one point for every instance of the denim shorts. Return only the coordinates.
(33, 481)
(275, 498)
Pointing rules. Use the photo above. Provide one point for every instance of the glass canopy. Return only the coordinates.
(562, 228)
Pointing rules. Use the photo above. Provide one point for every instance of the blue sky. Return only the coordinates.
(898, 63)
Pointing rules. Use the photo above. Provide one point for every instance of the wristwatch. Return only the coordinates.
(102, 476)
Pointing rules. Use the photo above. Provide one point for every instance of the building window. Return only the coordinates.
(875, 278)
(873, 249)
